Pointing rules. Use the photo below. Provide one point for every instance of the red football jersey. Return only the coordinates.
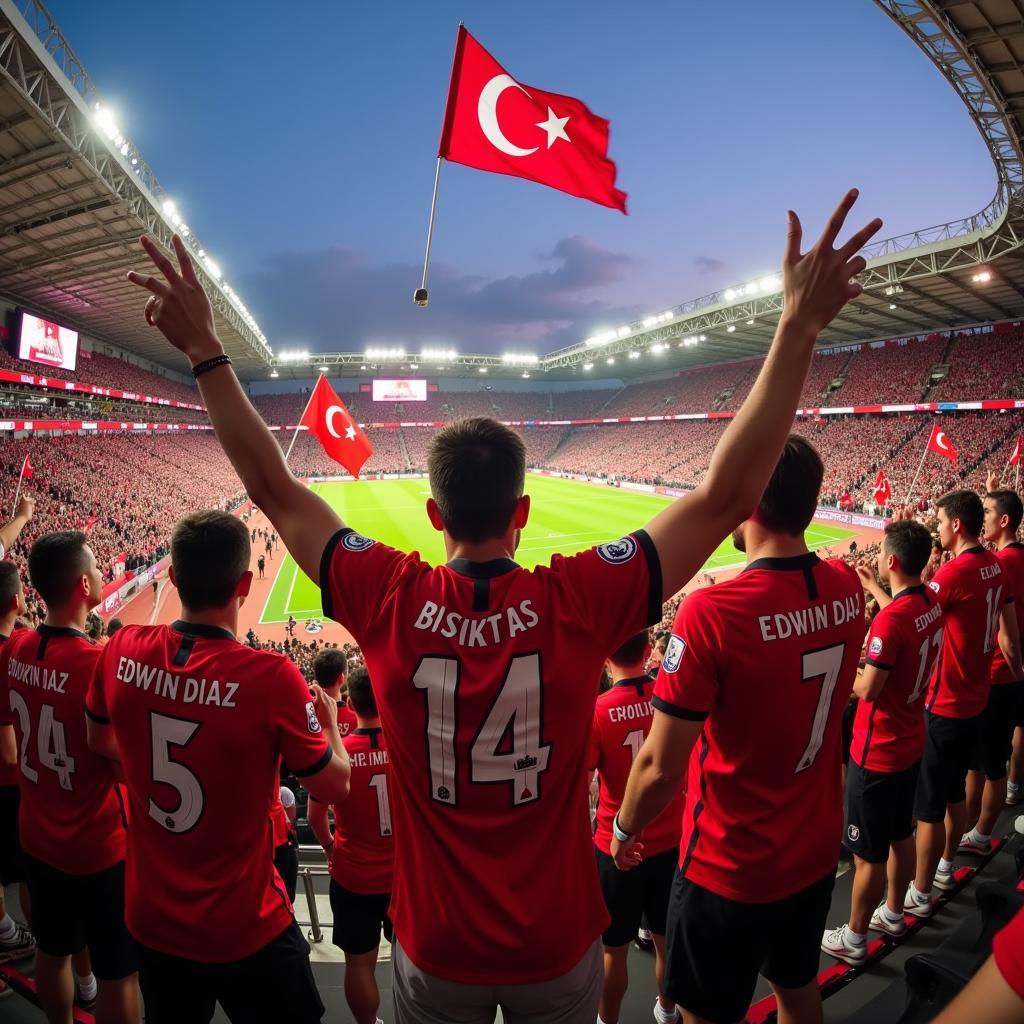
(905, 638)
(278, 818)
(346, 719)
(1008, 950)
(972, 589)
(485, 676)
(202, 722)
(1012, 560)
(70, 815)
(769, 659)
(622, 720)
(9, 773)
(364, 837)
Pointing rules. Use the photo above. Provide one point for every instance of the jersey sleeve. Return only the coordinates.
(945, 584)
(301, 741)
(1008, 951)
(355, 574)
(96, 697)
(687, 684)
(884, 641)
(615, 587)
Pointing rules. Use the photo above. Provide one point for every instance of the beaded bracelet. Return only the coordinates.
(210, 364)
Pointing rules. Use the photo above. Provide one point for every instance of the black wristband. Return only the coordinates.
(210, 364)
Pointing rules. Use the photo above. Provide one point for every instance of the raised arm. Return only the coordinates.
(181, 310)
(816, 287)
(9, 532)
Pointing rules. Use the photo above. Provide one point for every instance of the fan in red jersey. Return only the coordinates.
(977, 601)
(622, 719)
(71, 818)
(986, 783)
(330, 670)
(486, 673)
(888, 738)
(759, 669)
(199, 723)
(361, 852)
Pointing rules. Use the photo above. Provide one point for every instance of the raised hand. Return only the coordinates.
(992, 481)
(178, 307)
(26, 507)
(817, 284)
(867, 577)
(325, 708)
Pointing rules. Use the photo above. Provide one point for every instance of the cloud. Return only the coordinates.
(709, 264)
(338, 300)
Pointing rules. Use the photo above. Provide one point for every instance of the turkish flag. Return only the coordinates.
(332, 425)
(1017, 448)
(940, 444)
(846, 501)
(494, 123)
(883, 489)
(26, 470)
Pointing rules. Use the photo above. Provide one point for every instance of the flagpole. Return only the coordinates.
(916, 475)
(298, 426)
(420, 296)
(17, 490)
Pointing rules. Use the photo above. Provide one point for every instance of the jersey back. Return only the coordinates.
(769, 658)
(70, 815)
(201, 723)
(972, 589)
(904, 639)
(485, 676)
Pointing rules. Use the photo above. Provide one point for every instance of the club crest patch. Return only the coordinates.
(311, 719)
(934, 586)
(618, 551)
(875, 647)
(674, 653)
(854, 833)
(356, 542)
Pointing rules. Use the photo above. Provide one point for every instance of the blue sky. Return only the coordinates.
(298, 141)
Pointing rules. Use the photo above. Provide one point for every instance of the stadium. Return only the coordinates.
(916, 382)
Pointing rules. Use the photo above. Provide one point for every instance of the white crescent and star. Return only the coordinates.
(487, 114)
(334, 410)
(940, 440)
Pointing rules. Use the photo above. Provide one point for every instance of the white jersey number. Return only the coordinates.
(516, 714)
(167, 732)
(379, 782)
(992, 610)
(823, 665)
(634, 740)
(51, 746)
(926, 664)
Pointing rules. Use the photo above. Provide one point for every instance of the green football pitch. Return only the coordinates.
(566, 516)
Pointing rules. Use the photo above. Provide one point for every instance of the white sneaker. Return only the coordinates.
(918, 908)
(968, 844)
(18, 946)
(837, 944)
(881, 922)
(1013, 795)
(944, 879)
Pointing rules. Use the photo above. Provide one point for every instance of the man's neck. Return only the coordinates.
(964, 543)
(485, 551)
(898, 583)
(334, 692)
(367, 723)
(221, 618)
(774, 545)
(7, 624)
(67, 618)
(1005, 539)
(620, 672)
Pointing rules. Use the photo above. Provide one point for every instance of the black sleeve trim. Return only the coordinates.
(878, 664)
(325, 570)
(319, 766)
(1009, 600)
(654, 602)
(677, 712)
(98, 719)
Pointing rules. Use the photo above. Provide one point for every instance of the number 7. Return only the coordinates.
(824, 665)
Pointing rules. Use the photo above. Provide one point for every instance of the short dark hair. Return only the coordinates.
(791, 497)
(209, 553)
(965, 506)
(360, 693)
(1008, 503)
(910, 543)
(56, 563)
(630, 652)
(113, 626)
(477, 470)
(10, 584)
(330, 665)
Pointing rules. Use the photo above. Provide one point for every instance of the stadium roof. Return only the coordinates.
(75, 194)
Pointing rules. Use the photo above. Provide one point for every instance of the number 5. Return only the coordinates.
(176, 732)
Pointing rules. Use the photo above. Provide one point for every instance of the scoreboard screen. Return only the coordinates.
(399, 390)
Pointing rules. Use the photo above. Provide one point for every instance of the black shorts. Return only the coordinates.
(948, 745)
(274, 984)
(849, 715)
(359, 919)
(994, 742)
(879, 810)
(12, 860)
(632, 895)
(286, 860)
(717, 946)
(70, 912)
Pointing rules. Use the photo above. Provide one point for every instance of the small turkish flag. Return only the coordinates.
(494, 123)
(939, 444)
(332, 425)
(846, 501)
(883, 489)
(1017, 448)
(26, 470)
